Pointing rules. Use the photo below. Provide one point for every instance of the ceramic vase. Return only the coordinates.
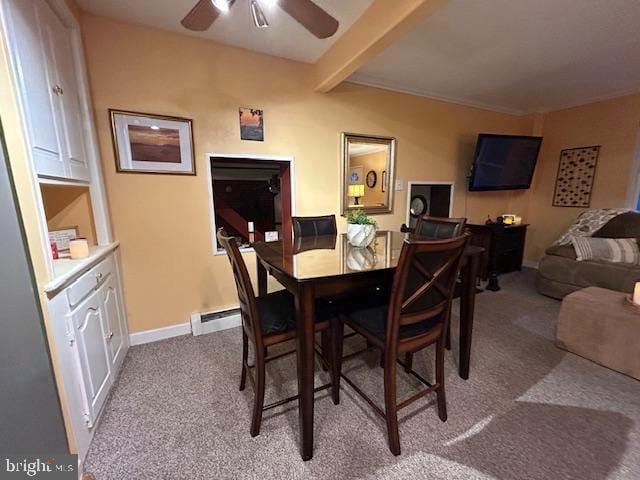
(360, 235)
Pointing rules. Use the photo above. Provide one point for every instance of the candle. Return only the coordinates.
(636, 294)
(79, 248)
(250, 227)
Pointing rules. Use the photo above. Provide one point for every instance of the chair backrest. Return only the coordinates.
(314, 226)
(438, 228)
(320, 242)
(246, 296)
(423, 284)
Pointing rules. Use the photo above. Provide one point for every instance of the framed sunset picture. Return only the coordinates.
(147, 143)
(251, 124)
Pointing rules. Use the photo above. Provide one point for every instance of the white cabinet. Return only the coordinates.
(115, 328)
(91, 338)
(43, 57)
(88, 334)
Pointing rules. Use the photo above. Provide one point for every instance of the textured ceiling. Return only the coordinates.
(518, 56)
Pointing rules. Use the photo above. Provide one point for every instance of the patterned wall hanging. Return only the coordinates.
(576, 171)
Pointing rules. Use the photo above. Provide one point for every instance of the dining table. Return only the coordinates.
(328, 266)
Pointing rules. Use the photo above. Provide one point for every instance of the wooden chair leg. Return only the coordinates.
(325, 343)
(336, 334)
(408, 361)
(440, 392)
(258, 403)
(448, 337)
(390, 405)
(245, 355)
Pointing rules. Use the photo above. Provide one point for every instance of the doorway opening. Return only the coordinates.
(251, 198)
(428, 198)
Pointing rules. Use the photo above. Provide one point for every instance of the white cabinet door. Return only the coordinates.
(62, 73)
(94, 361)
(36, 87)
(111, 306)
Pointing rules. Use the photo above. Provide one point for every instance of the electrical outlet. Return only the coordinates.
(399, 184)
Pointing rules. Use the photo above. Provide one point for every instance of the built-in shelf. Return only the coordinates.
(66, 270)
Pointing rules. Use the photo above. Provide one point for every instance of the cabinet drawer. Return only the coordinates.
(90, 281)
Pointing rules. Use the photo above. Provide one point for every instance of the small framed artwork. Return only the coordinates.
(147, 143)
(372, 178)
(62, 236)
(576, 172)
(356, 175)
(251, 124)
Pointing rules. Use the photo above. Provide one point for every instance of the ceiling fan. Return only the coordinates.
(305, 12)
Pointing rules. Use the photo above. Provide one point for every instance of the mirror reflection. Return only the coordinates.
(368, 171)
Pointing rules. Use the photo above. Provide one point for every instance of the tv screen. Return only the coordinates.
(504, 162)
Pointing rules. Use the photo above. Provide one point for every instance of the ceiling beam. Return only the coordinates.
(381, 24)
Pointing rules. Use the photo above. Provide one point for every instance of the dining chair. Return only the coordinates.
(304, 229)
(414, 316)
(314, 226)
(266, 321)
(438, 228)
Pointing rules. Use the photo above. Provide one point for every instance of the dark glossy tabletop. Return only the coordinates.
(332, 255)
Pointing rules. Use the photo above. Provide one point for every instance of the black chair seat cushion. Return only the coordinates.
(278, 312)
(371, 314)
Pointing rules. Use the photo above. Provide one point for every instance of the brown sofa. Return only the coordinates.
(560, 274)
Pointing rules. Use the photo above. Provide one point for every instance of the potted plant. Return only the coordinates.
(361, 228)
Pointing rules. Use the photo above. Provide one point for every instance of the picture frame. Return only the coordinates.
(372, 178)
(575, 177)
(251, 124)
(356, 175)
(150, 143)
(62, 236)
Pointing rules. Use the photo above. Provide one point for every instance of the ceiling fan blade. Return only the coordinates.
(311, 17)
(202, 15)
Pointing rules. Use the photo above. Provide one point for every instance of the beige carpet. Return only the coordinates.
(529, 411)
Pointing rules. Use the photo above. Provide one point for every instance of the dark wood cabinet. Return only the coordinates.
(503, 245)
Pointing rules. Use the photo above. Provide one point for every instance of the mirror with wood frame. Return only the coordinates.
(368, 173)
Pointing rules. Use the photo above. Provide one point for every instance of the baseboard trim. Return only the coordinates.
(156, 334)
(217, 325)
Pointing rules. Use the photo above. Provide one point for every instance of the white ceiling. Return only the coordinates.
(359, 149)
(518, 56)
(284, 38)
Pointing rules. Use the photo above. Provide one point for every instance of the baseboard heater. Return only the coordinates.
(208, 322)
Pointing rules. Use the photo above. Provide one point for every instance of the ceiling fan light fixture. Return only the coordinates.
(259, 19)
(222, 5)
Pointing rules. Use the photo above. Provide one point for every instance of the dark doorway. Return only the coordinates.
(428, 199)
(251, 198)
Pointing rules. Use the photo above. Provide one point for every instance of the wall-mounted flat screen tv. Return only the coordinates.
(504, 162)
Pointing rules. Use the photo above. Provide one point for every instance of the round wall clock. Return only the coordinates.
(372, 179)
(418, 206)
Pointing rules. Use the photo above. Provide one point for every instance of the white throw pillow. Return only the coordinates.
(619, 250)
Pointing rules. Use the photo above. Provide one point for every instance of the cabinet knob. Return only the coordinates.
(57, 89)
(110, 336)
(99, 276)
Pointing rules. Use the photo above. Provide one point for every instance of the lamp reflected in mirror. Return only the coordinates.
(355, 192)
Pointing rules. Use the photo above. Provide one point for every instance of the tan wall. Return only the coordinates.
(163, 221)
(69, 207)
(377, 162)
(614, 125)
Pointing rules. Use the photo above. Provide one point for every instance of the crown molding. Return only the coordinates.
(394, 87)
